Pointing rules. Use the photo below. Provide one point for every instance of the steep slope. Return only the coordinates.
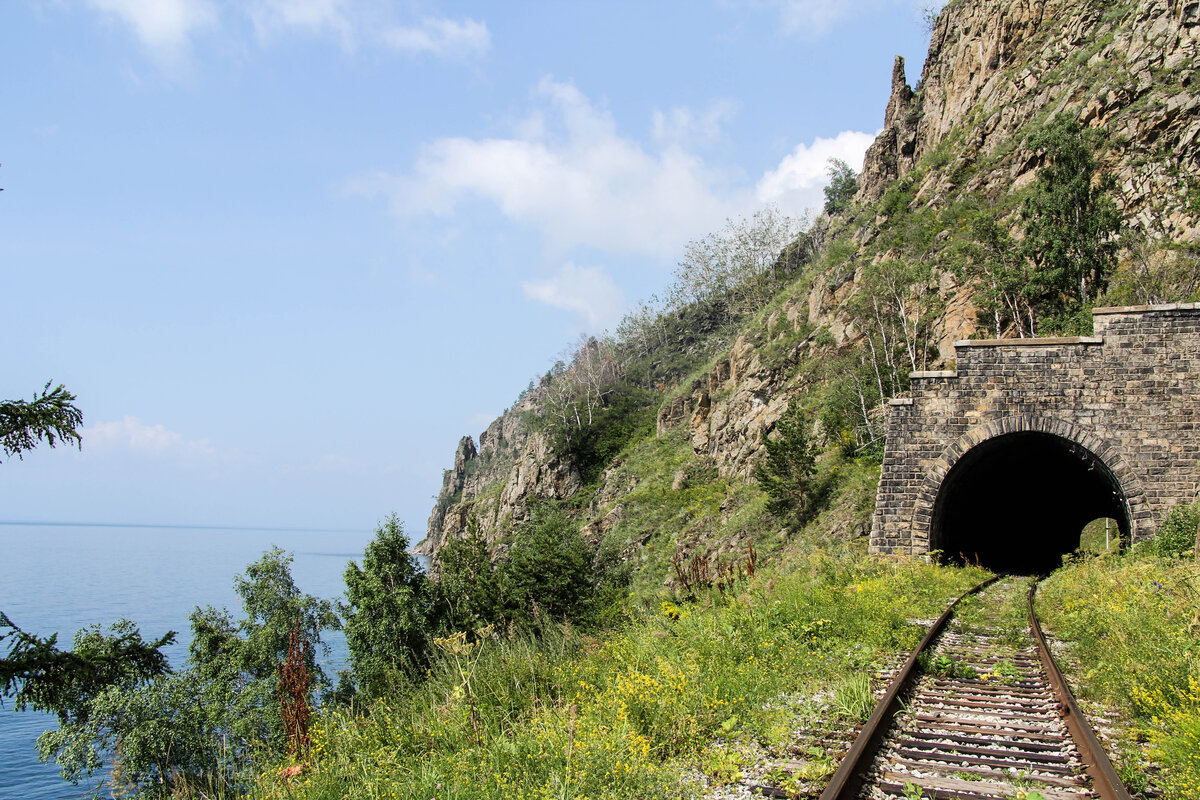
(888, 288)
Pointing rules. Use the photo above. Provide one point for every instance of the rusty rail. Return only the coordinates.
(847, 780)
(1104, 778)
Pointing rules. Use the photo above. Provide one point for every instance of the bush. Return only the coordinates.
(843, 185)
(1177, 534)
(549, 567)
(197, 729)
(468, 587)
(786, 474)
(627, 415)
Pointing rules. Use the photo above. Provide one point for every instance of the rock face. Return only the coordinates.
(495, 482)
(894, 150)
(995, 67)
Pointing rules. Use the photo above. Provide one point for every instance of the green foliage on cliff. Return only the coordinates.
(786, 474)
(1072, 227)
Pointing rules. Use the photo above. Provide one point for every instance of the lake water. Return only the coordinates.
(63, 578)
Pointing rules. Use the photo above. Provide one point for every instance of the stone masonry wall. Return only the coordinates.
(1130, 394)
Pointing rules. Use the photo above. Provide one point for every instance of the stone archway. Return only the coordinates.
(1123, 402)
(1014, 494)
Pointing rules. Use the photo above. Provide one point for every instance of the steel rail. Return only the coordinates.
(847, 780)
(1104, 778)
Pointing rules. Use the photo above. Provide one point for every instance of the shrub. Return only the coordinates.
(549, 567)
(1177, 534)
(786, 474)
(468, 587)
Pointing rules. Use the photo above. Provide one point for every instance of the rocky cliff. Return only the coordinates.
(994, 71)
(995, 68)
(495, 481)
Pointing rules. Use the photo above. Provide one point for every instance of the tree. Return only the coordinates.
(1006, 292)
(548, 566)
(198, 727)
(731, 273)
(843, 185)
(469, 583)
(1072, 226)
(50, 416)
(786, 474)
(38, 675)
(389, 612)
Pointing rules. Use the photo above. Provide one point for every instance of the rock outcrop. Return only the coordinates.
(495, 482)
(994, 68)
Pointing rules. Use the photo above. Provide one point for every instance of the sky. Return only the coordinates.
(287, 252)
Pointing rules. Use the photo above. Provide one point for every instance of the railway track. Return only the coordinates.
(986, 716)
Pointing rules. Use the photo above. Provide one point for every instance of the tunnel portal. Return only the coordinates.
(1019, 502)
(1004, 458)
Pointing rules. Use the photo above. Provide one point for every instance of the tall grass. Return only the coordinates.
(562, 715)
(1135, 627)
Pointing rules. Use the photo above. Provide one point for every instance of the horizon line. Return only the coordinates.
(173, 526)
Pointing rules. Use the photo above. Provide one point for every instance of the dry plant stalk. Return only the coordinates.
(295, 681)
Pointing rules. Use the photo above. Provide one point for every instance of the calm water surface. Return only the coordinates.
(60, 579)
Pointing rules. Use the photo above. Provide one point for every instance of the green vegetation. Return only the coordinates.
(388, 613)
(842, 187)
(786, 474)
(554, 713)
(1179, 532)
(1133, 623)
(121, 710)
(51, 416)
(1072, 227)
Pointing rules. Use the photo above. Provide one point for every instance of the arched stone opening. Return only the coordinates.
(1018, 502)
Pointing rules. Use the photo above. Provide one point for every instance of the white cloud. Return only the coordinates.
(797, 184)
(165, 27)
(568, 174)
(587, 292)
(440, 37)
(130, 433)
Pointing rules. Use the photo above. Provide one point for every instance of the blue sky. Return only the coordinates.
(287, 252)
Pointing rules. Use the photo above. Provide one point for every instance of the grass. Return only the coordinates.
(1134, 622)
(562, 715)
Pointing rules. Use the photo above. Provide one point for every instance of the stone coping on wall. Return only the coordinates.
(1049, 341)
(1143, 309)
(937, 373)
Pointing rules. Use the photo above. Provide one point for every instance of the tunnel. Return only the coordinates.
(1017, 503)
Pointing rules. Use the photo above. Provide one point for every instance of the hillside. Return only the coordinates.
(880, 285)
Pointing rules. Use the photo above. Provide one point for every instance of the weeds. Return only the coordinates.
(559, 714)
(853, 698)
(1135, 623)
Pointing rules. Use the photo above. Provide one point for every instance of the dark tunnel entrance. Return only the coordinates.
(1019, 502)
